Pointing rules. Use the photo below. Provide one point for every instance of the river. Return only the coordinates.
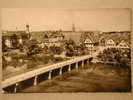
(91, 78)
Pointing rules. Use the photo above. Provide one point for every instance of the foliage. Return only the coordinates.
(73, 49)
(56, 50)
(58, 59)
(33, 48)
(120, 56)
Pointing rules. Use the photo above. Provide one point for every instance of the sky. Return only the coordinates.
(41, 19)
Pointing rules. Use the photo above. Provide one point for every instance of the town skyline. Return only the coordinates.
(84, 20)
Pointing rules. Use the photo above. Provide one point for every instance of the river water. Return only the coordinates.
(91, 78)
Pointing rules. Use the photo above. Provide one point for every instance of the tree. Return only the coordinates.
(56, 50)
(14, 40)
(32, 47)
(70, 46)
(120, 56)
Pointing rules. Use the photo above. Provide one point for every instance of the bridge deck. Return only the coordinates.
(30, 74)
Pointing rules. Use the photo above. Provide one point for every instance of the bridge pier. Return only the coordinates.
(15, 88)
(60, 71)
(69, 68)
(76, 66)
(2, 91)
(82, 63)
(50, 75)
(35, 80)
(87, 61)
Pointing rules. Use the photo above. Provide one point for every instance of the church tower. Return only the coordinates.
(28, 31)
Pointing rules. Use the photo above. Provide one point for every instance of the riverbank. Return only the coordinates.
(29, 65)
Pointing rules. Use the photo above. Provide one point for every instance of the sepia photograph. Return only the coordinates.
(66, 50)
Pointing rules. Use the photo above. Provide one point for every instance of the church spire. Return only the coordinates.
(28, 31)
(27, 28)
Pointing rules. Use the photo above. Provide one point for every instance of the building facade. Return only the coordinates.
(15, 39)
(110, 43)
(123, 44)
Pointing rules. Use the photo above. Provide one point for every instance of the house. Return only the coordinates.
(90, 40)
(116, 39)
(110, 43)
(123, 44)
(13, 39)
(53, 39)
(89, 43)
(6, 42)
(20, 41)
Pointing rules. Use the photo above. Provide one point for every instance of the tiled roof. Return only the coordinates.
(93, 36)
(117, 37)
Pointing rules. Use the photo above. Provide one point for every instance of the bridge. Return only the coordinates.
(35, 73)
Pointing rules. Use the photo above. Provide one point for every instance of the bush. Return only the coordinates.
(120, 56)
(58, 59)
(31, 64)
(56, 50)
